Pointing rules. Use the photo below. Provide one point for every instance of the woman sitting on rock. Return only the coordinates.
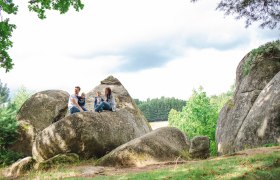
(109, 103)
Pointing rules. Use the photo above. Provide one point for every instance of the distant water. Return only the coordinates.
(159, 124)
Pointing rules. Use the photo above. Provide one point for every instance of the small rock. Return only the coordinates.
(20, 167)
(200, 147)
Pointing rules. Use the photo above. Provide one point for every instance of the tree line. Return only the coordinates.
(157, 109)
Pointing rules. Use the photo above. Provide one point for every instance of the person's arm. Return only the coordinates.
(113, 103)
(76, 104)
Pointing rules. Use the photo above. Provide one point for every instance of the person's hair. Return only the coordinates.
(83, 94)
(78, 87)
(109, 91)
(98, 92)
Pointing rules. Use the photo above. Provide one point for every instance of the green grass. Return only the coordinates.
(261, 166)
(256, 167)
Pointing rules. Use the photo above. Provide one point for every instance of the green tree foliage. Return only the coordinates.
(267, 12)
(37, 6)
(4, 93)
(158, 109)
(9, 125)
(199, 116)
(223, 98)
(20, 96)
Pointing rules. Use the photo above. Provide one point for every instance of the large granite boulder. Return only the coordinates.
(163, 144)
(262, 124)
(122, 97)
(43, 108)
(252, 76)
(89, 134)
(37, 113)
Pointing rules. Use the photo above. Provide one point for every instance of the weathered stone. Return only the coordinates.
(233, 117)
(200, 147)
(122, 98)
(24, 142)
(20, 167)
(88, 134)
(58, 160)
(43, 108)
(163, 144)
(262, 124)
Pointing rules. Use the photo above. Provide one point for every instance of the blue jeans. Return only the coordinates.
(103, 106)
(74, 109)
(84, 108)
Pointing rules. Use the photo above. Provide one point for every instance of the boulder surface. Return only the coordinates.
(88, 134)
(43, 108)
(20, 167)
(262, 124)
(200, 147)
(163, 144)
(238, 125)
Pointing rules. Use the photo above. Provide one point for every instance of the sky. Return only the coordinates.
(154, 47)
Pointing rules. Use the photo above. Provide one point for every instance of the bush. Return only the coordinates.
(8, 134)
(198, 117)
(8, 157)
(9, 124)
(268, 50)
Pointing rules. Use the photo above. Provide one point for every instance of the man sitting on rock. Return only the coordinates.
(73, 105)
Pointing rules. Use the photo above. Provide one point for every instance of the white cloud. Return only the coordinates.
(55, 53)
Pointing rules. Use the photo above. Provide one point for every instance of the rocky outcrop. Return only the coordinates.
(20, 167)
(88, 134)
(43, 108)
(200, 147)
(262, 124)
(122, 97)
(233, 123)
(163, 144)
(24, 142)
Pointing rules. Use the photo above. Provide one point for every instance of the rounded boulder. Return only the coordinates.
(88, 134)
(44, 108)
(163, 144)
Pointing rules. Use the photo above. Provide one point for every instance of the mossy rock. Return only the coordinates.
(57, 160)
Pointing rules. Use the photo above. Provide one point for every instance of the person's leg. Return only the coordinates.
(74, 109)
(99, 107)
(107, 106)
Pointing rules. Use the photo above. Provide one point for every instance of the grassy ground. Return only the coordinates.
(261, 163)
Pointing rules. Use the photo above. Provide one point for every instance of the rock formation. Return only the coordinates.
(240, 124)
(163, 144)
(43, 108)
(88, 134)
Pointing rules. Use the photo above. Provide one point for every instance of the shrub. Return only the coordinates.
(198, 117)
